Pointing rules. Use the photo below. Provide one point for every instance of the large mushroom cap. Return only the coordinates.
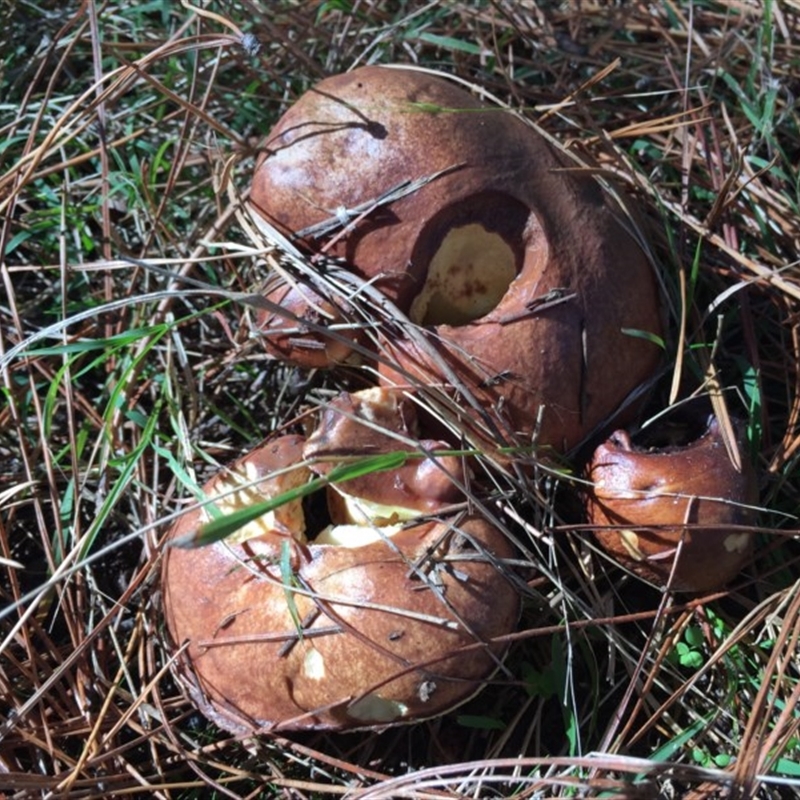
(675, 516)
(357, 625)
(516, 261)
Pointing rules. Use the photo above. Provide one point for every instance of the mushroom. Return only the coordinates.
(294, 335)
(365, 622)
(521, 270)
(674, 516)
(375, 421)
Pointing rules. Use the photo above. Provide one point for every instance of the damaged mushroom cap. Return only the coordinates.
(378, 421)
(379, 625)
(518, 263)
(687, 500)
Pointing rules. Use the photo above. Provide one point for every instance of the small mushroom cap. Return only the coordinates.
(369, 422)
(379, 421)
(655, 502)
(363, 626)
(304, 335)
(518, 262)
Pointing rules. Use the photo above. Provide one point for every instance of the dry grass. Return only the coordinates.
(121, 384)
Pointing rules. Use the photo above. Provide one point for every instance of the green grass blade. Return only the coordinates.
(221, 528)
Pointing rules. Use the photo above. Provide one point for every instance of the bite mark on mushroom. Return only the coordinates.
(467, 277)
(373, 708)
(240, 488)
(668, 514)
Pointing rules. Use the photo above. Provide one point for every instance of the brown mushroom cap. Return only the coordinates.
(657, 501)
(294, 336)
(398, 623)
(517, 261)
(377, 421)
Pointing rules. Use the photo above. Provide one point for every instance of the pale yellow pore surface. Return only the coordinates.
(467, 278)
(364, 522)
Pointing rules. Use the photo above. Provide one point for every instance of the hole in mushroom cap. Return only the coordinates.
(473, 250)
(355, 522)
(335, 518)
(467, 277)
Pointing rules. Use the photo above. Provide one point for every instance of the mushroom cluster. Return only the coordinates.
(389, 605)
(518, 290)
